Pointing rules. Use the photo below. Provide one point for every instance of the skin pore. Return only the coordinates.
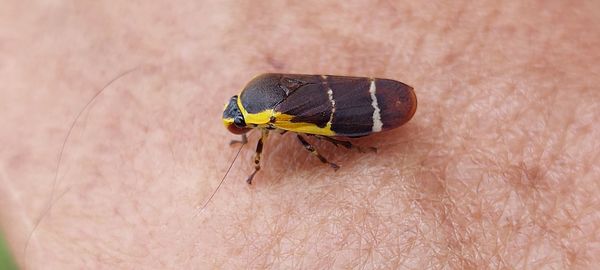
(497, 169)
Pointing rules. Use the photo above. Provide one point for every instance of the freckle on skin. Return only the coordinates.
(18, 160)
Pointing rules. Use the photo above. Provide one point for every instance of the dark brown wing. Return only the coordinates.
(353, 106)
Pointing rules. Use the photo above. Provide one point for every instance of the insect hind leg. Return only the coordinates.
(346, 144)
(313, 151)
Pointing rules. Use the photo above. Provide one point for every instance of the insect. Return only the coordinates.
(323, 106)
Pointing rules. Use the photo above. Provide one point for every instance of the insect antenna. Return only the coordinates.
(56, 179)
(243, 142)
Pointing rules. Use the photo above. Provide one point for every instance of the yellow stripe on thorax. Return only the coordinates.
(261, 118)
(283, 121)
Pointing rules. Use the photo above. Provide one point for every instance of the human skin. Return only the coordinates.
(497, 169)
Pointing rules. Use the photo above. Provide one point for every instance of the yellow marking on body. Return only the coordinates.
(260, 118)
(227, 121)
(282, 121)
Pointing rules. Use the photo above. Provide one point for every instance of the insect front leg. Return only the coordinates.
(347, 144)
(244, 140)
(258, 154)
(313, 151)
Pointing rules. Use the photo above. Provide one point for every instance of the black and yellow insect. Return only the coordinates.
(321, 105)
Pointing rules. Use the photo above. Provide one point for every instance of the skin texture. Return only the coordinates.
(497, 169)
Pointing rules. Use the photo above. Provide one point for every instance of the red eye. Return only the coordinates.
(236, 130)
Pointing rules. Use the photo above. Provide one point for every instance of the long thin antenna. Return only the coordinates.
(60, 157)
(224, 177)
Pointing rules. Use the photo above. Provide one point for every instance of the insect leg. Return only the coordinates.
(313, 151)
(257, 155)
(244, 140)
(347, 144)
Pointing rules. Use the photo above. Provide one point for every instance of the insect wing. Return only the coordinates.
(344, 106)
